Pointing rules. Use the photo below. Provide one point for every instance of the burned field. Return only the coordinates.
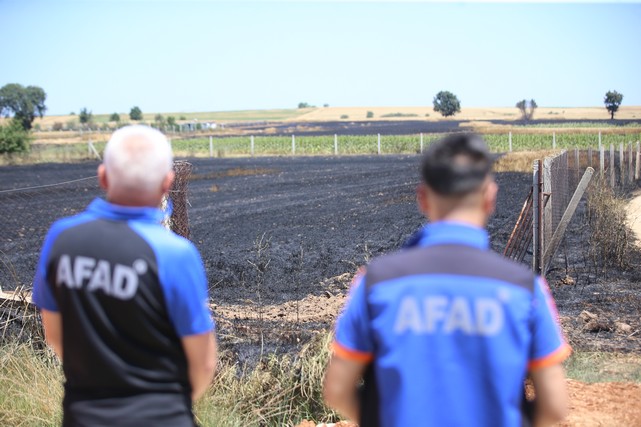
(281, 238)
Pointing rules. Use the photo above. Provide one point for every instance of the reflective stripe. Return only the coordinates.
(556, 357)
(349, 354)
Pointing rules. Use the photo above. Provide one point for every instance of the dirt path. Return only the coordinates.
(591, 405)
(634, 215)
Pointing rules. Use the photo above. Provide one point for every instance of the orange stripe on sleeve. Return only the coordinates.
(555, 358)
(349, 354)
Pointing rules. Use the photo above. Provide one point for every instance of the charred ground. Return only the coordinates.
(281, 238)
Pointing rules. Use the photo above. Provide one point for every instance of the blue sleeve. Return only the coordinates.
(42, 294)
(353, 338)
(548, 344)
(187, 294)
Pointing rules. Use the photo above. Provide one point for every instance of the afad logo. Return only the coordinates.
(119, 281)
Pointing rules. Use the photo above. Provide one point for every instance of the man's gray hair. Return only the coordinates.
(137, 158)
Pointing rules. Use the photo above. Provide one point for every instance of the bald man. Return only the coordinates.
(124, 301)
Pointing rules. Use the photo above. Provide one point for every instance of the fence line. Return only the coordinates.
(27, 214)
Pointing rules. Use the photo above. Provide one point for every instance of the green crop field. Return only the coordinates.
(324, 145)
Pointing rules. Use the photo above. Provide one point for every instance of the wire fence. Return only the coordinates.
(213, 146)
(555, 181)
(28, 212)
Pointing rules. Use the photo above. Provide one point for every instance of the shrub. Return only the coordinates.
(370, 114)
(13, 138)
(115, 117)
(344, 116)
(57, 126)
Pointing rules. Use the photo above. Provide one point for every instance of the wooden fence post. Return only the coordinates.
(335, 145)
(637, 169)
(622, 164)
(293, 144)
(590, 157)
(612, 176)
(601, 160)
(211, 146)
(379, 143)
(251, 145)
(421, 142)
(536, 215)
(510, 141)
(630, 163)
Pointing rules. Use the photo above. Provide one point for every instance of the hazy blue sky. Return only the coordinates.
(213, 55)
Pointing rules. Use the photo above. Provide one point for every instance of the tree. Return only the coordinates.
(85, 116)
(23, 103)
(303, 105)
(159, 119)
(446, 103)
(171, 121)
(13, 138)
(135, 113)
(612, 102)
(115, 117)
(527, 108)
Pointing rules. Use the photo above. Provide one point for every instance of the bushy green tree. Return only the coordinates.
(370, 114)
(13, 138)
(159, 119)
(23, 103)
(303, 105)
(446, 103)
(85, 116)
(135, 113)
(612, 102)
(115, 117)
(171, 121)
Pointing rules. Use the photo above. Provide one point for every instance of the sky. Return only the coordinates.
(192, 56)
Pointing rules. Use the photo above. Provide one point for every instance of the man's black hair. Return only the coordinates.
(457, 164)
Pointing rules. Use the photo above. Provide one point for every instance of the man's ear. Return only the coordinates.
(421, 198)
(489, 197)
(168, 182)
(102, 177)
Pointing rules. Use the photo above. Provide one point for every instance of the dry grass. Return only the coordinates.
(521, 161)
(280, 390)
(609, 238)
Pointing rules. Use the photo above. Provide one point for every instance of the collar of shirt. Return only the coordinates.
(451, 233)
(104, 209)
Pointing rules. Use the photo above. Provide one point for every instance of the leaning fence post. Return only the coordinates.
(553, 245)
(379, 143)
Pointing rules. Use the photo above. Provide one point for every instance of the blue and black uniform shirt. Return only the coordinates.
(451, 328)
(127, 290)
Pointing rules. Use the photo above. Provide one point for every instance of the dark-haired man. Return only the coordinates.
(448, 328)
